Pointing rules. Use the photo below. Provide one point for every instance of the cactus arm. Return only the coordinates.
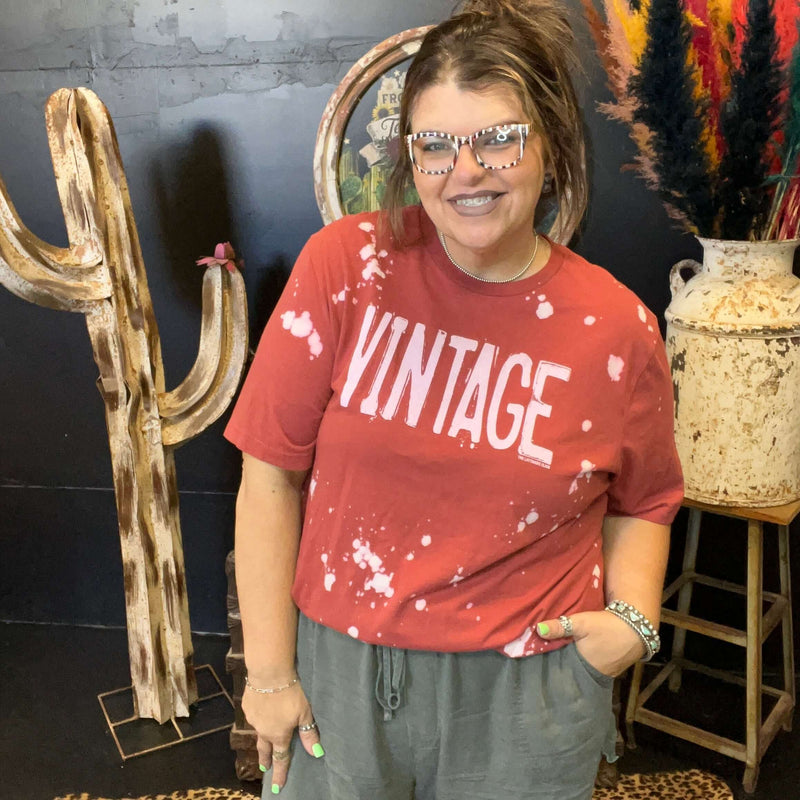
(73, 278)
(67, 279)
(201, 377)
(188, 420)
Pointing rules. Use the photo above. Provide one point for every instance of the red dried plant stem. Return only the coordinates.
(786, 18)
(709, 66)
(599, 30)
(789, 215)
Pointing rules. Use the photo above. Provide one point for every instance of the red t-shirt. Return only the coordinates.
(465, 439)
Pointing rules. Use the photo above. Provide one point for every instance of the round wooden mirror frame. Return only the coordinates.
(359, 78)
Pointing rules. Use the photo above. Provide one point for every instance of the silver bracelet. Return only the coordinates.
(273, 690)
(639, 622)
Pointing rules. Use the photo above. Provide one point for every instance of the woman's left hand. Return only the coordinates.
(605, 641)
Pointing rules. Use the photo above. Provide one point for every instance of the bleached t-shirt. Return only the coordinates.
(465, 439)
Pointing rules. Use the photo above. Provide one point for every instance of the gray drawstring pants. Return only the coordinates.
(419, 725)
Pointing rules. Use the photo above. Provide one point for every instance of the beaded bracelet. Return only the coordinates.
(639, 622)
(273, 690)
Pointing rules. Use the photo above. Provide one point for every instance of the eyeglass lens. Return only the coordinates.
(497, 147)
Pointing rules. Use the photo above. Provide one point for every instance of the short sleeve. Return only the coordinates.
(649, 483)
(287, 388)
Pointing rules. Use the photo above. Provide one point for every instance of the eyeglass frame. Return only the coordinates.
(523, 128)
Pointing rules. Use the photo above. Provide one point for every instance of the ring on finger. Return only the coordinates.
(566, 624)
(306, 728)
(281, 755)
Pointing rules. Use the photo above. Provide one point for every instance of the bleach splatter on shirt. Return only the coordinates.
(464, 440)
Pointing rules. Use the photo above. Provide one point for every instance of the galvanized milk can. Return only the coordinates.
(733, 340)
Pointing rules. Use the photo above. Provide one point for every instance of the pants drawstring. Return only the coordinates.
(390, 682)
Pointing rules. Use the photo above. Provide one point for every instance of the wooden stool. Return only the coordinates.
(759, 626)
(242, 737)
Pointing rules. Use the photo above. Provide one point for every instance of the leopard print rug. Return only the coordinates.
(692, 785)
(187, 794)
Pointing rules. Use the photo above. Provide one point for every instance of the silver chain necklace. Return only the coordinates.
(490, 280)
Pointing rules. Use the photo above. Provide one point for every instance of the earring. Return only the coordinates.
(547, 185)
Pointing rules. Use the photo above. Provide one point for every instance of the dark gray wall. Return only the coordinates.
(216, 106)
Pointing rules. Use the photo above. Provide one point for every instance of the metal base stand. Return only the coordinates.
(135, 736)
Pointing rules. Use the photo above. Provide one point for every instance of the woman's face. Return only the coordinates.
(486, 215)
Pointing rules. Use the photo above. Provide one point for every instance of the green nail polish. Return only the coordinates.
(543, 628)
(317, 750)
(275, 788)
(262, 767)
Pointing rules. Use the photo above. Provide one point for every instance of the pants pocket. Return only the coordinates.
(600, 678)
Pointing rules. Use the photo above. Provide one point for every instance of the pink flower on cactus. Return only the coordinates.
(224, 256)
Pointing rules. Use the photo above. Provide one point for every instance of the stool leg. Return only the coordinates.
(633, 699)
(755, 542)
(685, 593)
(786, 623)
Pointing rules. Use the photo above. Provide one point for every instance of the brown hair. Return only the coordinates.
(528, 46)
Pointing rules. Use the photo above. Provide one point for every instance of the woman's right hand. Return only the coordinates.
(275, 717)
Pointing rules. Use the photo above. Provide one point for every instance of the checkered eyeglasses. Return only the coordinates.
(497, 147)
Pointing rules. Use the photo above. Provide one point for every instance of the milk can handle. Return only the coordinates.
(676, 281)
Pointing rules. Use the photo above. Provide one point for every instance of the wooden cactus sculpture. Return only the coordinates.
(101, 274)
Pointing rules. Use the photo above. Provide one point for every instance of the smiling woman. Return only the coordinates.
(458, 452)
